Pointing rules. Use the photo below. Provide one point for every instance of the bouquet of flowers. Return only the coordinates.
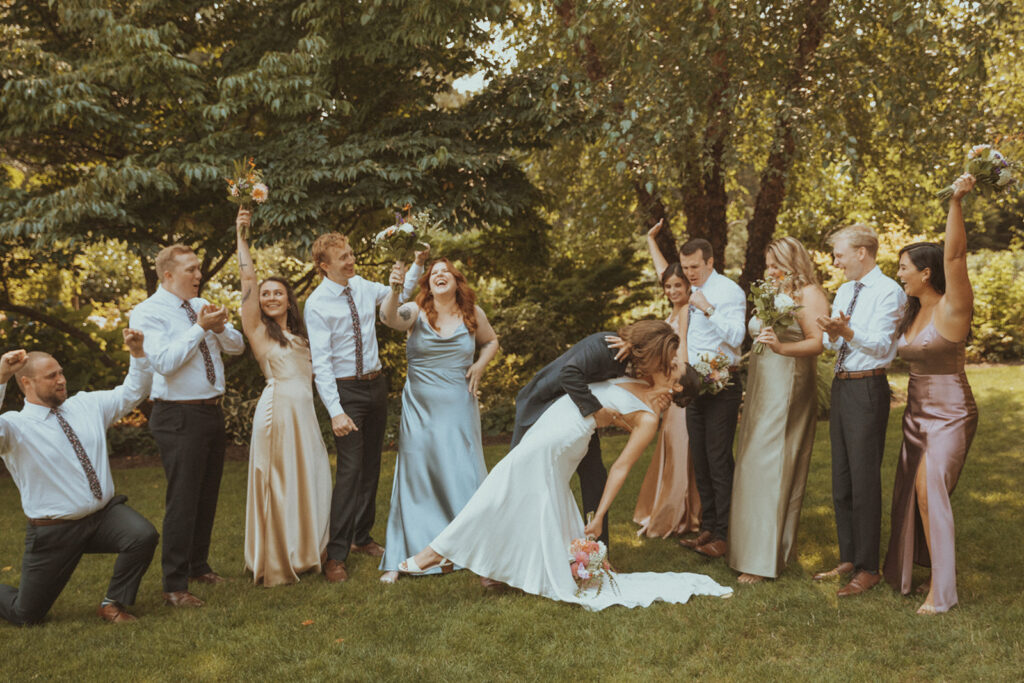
(772, 306)
(400, 241)
(992, 171)
(714, 372)
(588, 560)
(246, 187)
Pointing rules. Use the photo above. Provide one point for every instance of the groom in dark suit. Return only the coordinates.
(593, 359)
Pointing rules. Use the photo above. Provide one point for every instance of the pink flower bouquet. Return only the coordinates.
(588, 561)
(713, 371)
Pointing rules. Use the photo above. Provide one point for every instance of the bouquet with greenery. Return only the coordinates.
(588, 561)
(246, 187)
(714, 372)
(992, 172)
(399, 242)
(772, 306)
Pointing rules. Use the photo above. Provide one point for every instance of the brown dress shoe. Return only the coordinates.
(208, 577)
(862, 581)
(335, 571)
(694, 542)
(373, 549)
(842, 569)
(714, 549)
(114, 613)
(182, 599)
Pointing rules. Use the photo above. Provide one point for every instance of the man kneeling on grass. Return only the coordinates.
(56, 451)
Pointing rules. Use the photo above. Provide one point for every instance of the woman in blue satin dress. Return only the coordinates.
(440, 456)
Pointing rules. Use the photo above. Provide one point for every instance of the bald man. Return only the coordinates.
(56, 451)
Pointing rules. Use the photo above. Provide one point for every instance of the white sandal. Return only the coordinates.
(409, 566)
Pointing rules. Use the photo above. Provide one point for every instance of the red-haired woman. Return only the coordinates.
(440, 456)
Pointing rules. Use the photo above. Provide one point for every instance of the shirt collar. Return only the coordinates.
(35, 411)
(335, 288)
(872, 277)
(166, 296)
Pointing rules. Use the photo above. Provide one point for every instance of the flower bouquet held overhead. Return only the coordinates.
(993, 173)
(400, 241)
(246, 187)
(772, 306)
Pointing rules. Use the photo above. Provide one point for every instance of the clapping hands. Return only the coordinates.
(212, 318)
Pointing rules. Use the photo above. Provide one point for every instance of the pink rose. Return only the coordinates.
(581, 557)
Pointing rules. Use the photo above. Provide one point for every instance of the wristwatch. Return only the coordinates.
(709, 311)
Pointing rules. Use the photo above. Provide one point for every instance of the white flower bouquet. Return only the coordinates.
(588, 561)
(772, 306)
(992, 172)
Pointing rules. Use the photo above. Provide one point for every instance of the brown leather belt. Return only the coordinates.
(877, 372)
(193, 401)
(49, 522)
(370, 375)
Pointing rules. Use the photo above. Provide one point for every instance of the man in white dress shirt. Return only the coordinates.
(56, 451)
(717, 325)
(185, 336)
(341, 316)
(862, 330)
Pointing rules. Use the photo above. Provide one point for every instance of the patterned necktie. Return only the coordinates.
(90, 473)
(357, 330)
(211, 376)
(845, 348)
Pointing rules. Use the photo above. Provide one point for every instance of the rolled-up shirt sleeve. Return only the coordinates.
(877, 336)
(231, 340)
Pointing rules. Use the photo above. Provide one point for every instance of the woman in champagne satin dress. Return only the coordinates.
(668, 502)
(940, 418)
(288, 502)
(776, 434)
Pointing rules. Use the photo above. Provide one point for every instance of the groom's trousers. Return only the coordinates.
(354, 501)
(857, 422)
(711, 423)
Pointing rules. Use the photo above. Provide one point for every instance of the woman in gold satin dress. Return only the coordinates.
(776, 432)
(941, 416)
(668, 502)
(287, 507)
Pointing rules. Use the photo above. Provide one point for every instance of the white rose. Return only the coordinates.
(783, 302)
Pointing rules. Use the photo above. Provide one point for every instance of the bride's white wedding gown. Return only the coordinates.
(518, 525)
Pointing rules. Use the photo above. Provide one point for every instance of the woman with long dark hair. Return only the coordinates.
(287, 507)
(669, 502)
(941, 416)
(440, 460)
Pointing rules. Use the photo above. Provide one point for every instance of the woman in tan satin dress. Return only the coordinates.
(287, 508)
(941, 416)
(668, 502)
(776, 434)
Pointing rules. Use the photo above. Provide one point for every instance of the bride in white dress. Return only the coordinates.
(518, 525)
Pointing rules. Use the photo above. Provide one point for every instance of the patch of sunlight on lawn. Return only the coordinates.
(1011, 498)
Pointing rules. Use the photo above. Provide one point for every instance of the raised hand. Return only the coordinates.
(397, 277)
(213, 318)
(133, 340)
(962, 185)
(11, 362)
(653, 232)
(243, 220)
(422, 256)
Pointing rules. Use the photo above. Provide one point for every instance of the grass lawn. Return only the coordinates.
(438, 628)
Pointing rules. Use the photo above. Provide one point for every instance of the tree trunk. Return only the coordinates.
(772, 192)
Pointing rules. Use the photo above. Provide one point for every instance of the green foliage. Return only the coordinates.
(997, 330)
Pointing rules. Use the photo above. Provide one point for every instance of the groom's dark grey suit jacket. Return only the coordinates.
(589, 360)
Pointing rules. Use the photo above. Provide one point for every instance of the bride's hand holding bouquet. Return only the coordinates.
(773, 306)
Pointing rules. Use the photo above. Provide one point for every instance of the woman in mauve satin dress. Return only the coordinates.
(668, 502)
(941, 416)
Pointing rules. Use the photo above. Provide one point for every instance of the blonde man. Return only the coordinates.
(185, 337)
(862, 330)
(341, 316)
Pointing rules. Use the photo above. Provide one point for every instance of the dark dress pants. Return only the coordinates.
(52, 553)
(711, 423)
(354, 501)
(591, 471)
(191, 440)
(857, 423)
